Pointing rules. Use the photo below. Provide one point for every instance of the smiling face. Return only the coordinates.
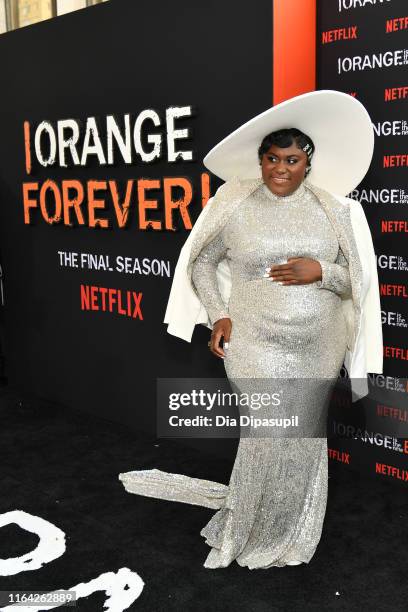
(283, 170)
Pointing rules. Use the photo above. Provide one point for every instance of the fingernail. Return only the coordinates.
(226, 344)
(279, 282)
(267, 269)
(266, 275)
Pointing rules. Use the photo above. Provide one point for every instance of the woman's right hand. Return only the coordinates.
(221, 328)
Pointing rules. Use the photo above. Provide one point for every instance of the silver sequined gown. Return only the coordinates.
(273, 508)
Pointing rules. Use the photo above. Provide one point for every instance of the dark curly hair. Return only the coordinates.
(285, 138)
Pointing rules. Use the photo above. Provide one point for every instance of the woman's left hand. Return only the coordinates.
(297, 271)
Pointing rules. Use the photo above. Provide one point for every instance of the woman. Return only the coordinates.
(293, 311)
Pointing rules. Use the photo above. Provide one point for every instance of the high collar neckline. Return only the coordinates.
(295, 196)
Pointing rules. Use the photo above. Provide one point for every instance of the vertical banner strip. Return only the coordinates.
(294, 48)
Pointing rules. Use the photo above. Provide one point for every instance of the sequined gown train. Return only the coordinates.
(272, 511)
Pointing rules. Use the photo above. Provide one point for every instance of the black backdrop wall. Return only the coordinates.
(115, 59)
(362, 50)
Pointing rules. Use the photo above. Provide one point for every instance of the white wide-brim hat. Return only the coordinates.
(338, 124)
